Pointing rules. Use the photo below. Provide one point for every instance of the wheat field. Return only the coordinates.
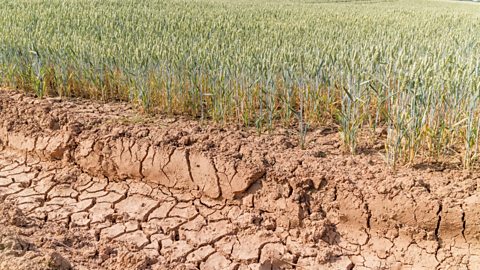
(410, 66)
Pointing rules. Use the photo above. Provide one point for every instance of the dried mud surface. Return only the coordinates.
(85, 185)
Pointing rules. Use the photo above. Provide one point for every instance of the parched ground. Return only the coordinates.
(85, 185)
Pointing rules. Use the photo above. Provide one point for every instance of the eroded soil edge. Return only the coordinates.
(95, 186)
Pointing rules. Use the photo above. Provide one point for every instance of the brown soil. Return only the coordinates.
(85, 185)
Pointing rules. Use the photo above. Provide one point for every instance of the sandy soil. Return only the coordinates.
(85, 185)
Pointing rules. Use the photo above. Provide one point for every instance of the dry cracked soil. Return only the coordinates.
(85, 185)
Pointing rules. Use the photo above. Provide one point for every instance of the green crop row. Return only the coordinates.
(410, 66)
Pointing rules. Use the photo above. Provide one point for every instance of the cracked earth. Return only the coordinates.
(85, 185)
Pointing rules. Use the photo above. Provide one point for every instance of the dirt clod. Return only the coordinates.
(58, 262)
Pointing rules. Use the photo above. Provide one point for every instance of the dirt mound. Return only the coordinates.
(85, 185)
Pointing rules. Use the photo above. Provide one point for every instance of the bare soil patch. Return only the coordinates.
(85, 185)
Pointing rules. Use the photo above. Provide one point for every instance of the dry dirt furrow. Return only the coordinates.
(93, 186)
(186, 234)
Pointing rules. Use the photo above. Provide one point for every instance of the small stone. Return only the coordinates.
(57, 262)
